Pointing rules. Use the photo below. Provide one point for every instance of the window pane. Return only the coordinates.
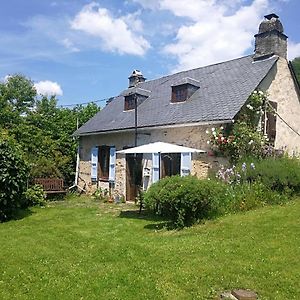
(179, 93)
(129, 102)
(104, 162)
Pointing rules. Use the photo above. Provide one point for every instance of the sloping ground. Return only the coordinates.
(83, 250)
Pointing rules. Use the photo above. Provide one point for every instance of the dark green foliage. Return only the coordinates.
(277, 174)
(13, 178)
(43, 130)
(35, 195)
(43, 133)
(186, 200)
(296, 66)
(47, 136)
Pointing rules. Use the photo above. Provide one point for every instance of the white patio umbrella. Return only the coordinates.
(160, 147)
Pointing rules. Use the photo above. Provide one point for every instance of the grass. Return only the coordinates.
(80, 249)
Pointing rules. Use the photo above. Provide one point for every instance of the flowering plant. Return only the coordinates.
(251, 113)
(243, 137)
(234, 175)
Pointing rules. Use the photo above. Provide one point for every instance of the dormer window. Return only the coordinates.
(184, 89)
(134, 95)
(179, 93)
(129, 102)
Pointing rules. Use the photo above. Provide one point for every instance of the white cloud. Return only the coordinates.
(69, 45)
(293, 50)
(195, 10)
(133, 22)
(114, 34)
(212, 30)
(48, 88)
(214, 35)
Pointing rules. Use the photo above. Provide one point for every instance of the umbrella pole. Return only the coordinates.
(159, 165)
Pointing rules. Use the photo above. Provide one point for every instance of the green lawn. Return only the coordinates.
(79, 249)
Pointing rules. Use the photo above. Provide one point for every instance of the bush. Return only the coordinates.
(186, 200)
(101, 195)
(35, 195)
(247, 196)
(13, 178)
(277, 174)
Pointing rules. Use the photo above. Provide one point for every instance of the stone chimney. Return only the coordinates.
(135, 78)
(270, 38)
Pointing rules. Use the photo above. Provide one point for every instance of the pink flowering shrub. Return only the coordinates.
(243, 137)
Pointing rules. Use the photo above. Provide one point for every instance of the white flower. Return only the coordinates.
(232, 120)
(251, 142)
(221, 127)
(244, 166)
(255, 92)
(222, 138)
(261, 93)
(208, 142)
(216, 138)
(207, 132)
(213, 129)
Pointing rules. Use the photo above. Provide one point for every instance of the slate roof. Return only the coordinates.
(224, 89)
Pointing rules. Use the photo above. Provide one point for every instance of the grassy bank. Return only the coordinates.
(80, 249)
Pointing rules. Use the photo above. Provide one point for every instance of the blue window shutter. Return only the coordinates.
(155, 167)
(94, 162)
(185, 164)
(112, 164)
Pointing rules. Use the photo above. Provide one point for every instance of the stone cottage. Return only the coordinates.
(179, 108)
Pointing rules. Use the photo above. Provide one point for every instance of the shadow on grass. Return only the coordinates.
(56, 197)
(160, 222)
(19, 215)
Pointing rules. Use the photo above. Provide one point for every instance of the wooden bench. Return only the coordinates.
(51, 185)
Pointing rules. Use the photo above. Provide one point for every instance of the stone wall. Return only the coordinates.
(281, 88)
(270, 42)
(119, 140)
(190, 136)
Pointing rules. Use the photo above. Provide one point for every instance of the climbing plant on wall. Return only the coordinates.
(244, 136)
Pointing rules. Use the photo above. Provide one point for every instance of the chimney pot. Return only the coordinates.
(270, 38)
(135, 78)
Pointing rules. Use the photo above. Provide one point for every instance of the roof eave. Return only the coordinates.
(162, 126)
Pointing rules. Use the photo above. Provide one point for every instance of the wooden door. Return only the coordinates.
(133, 175)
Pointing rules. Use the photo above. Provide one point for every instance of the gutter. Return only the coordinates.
(156, 127)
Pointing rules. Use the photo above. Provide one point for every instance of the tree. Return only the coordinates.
(296, 65)
(13, 176)
(17, 98)
(42, 130)
(53, 129)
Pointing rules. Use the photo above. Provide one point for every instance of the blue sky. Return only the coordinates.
(84, 50)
